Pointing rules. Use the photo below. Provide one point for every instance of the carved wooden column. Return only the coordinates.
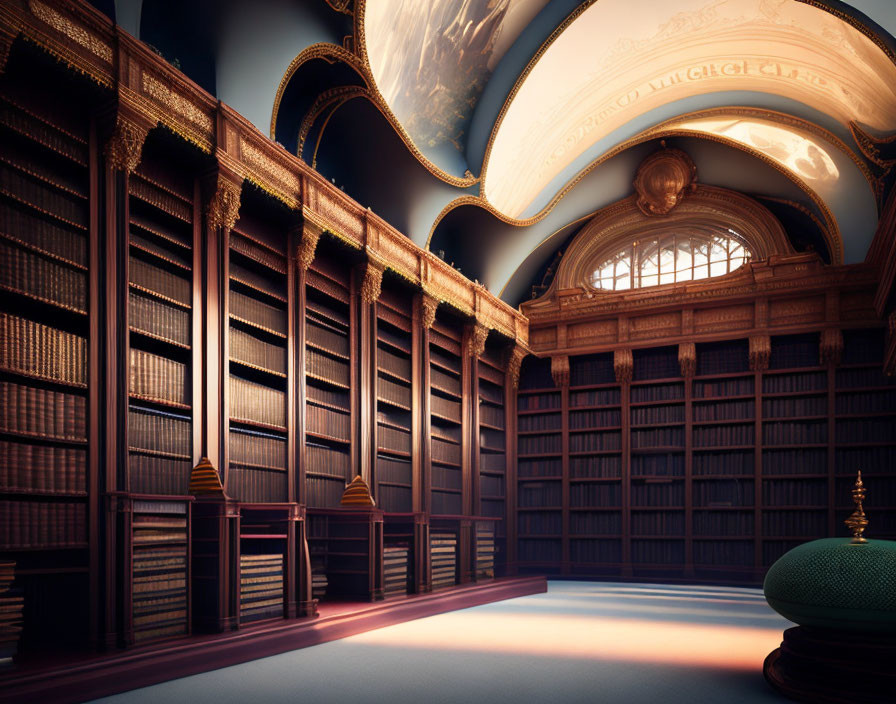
(760, 351)
(122, 152)
(423, 317)
(215, 525)
(623, 367)
(560, 375)
(371, 287)
(687, 362)
(515, 357)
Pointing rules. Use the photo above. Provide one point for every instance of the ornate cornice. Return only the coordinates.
(760, 351)
(125, 146)
(623, 365)
(224, 205)
(429, 305)
(476, 340)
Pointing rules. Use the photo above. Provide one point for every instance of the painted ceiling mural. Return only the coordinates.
(490, 130)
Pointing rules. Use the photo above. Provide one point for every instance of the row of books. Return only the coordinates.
(723, 387)
(42, 197)
(399, 341)
(790, 433)
(658, 552)
(591, 370)
(28, 347)
(42, 469)
(37, 276)
(249, 349)
(723, 358)
(550, 467)
(538, 402)
(152, 243)
(539, 550)
(176, 287)
(42, 524)
(395, 570)
(20, 225)
(866, 402)
(325, 459)
(157, 378)
(537, 494)
(261, 586)
(398, 440)
(788, 383)
(255, 312)
(723, 493)
(158, 319)
(443, 552)
(603, 495)
(494, 415)
(159, 599)
(724, 410)
(655, 363)
(492, 439)
(327, 337)
(670, 493)
(394, 498)
(149, 429)
(596, 523)
(251, 401)
(485, 553)
(810, 524)
(723, 523)
(324, 492)
(650, 415)
(548, 421)
(540, 523)
(495, 462)
(657, 523)
(492, 487)
(491, 391)
(256, 283)
(446, 477)
(585, 442)
(861, 378)
(657, 392)
(865, 430)
(41, 129)
(446, 504)
(794, 461)
(657, 465)
(595, 397)
(795, 492)
(257, 252)
(256, 485)
(327, 421)
(539, 444)
(142, 188)
(12, 605)
(445, 408)
(327, 395)
(444, 382)
(323, 366)
(594, 551)
(730, 462)
(152, 474)
(794, 351)
(176, 236)
(602, 466)
(598, 419)
(41, 412)
(721, 435)
(657, 437)
(730, 553)
(443, 357)
(394, 364)
(493, 508)
(393, 392)
(795, 407)
(249, 447)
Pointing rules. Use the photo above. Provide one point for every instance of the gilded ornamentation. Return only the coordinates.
(372, 284)
(7, 37)
(515, 360)
(623, 365)
(687, 359)
(760, 351)
(287, 183)
(831, 346)
(75, 32)
(161, 93)
(560, 370)
(308, 245)
(125, 146)
(476, 340)
(224, 206)
(857, 522)
(429, 306)
(663, 179)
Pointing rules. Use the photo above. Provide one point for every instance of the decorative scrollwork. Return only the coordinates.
(224, 206)
(308, 245)
(429, 307)
(514, 362)
(476, 340)
(372, 285)
(687, 359)
(760, 351)
(623, 365)
(125, 146)
(560, 370)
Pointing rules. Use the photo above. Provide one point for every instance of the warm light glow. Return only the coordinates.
(623, 58)
(581, 636)
(671, 259)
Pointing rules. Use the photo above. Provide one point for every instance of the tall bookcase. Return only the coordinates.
(394, 477)
(711, 475)
(446, 396)
(328, 377)
(259, 326)
(46, 183)
(492, 465)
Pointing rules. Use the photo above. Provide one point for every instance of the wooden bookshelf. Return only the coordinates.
(446, 422)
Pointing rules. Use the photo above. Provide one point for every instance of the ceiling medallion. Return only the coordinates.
(663, 179)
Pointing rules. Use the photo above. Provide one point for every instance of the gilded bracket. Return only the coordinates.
(476, 340)
(560, 370)
(623, 366)
(687, 359)
(830, 349)
(372, 284)
(223, 209)
(125, 146)
(760, 351)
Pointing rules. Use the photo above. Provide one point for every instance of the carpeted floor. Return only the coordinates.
(579, 642)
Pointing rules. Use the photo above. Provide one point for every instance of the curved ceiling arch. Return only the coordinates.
(824, 60)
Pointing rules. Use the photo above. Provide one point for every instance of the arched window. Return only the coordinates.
(671, 259)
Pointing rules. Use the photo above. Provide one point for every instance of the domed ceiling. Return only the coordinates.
(491, 130)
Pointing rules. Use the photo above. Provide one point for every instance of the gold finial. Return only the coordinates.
(857, 521)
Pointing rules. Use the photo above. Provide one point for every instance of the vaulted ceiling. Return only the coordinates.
(491, 130)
